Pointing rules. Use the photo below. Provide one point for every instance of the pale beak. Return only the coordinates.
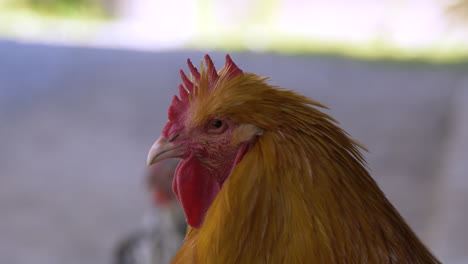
(163, 149)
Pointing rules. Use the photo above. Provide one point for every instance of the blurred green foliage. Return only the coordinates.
(255, 29)
(66, 8)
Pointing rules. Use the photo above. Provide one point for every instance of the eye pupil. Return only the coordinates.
(217, 124)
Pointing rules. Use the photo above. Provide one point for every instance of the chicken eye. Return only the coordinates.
(218, 123)
(216, 127)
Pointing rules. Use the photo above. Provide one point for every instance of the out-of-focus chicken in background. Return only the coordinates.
(163, 227)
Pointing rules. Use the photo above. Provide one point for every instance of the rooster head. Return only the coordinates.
(205, 132)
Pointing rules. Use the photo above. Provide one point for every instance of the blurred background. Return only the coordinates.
(85, 84)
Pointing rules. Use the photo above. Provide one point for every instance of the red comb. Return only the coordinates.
(193, 70)
(178, 106)
(232, 69)
(188, 84)
(211, 70)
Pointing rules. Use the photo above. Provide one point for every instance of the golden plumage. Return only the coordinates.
(301, 194)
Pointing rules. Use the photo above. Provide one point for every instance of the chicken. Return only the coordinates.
(266, 177)
(159, 183)
(161, 236)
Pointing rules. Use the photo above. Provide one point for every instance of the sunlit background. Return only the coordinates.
(85, 84)
(432, 29)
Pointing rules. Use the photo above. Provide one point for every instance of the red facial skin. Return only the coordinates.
(208, 160)
(209, 153)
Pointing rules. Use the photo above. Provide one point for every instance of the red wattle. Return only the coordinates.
(195, 189)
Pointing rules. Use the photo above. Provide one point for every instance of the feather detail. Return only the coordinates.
(301, 194)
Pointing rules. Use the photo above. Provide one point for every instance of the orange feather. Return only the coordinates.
(302, 193)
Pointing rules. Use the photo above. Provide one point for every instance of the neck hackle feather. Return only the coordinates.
(301, 194)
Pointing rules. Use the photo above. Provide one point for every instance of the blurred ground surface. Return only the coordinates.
(76, 125)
